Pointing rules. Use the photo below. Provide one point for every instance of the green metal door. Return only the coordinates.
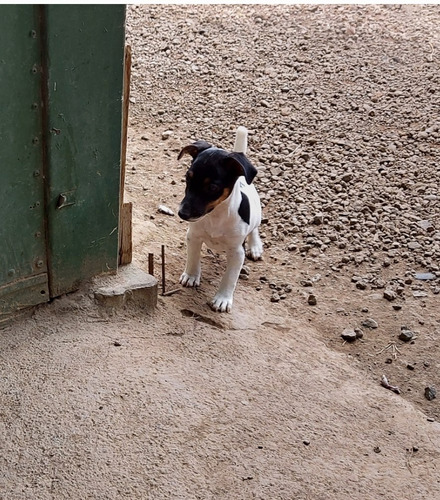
(85, 47)
(61, 74)
(23, 257)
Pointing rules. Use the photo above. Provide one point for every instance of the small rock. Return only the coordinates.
(359, 333)
(430, 393)
(318, 219)
(349, 335)
(245, 270)
(418, 294)
(370, 323)
(275, 297)
(347, 177)
(405, 334)
(413, 245)
(361, 285)
(425, 276)
(165, 210)
(410, 367)
(312, 300)
(426, 225)
(167, 134)
(389, 294)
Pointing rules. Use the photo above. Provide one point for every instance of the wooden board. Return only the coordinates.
(126, 245)
(125, 219)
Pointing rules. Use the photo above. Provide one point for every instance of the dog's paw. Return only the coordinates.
(221, 303)
(255, 252)
(188, 280)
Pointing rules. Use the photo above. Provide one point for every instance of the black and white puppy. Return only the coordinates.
(223, 209)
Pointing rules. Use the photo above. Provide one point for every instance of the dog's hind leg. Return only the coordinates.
(254, 248)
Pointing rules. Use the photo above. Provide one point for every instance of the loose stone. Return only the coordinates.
(311, 300)
(405, 334)
(370, 323)
(430, 393)
(349, 335)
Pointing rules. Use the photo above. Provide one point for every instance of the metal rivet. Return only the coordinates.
(36, 173)
(33, 34)
(35, 140)
(38, 234)
(34, 105)
(11, 272)
(34, 69)
(40, 263)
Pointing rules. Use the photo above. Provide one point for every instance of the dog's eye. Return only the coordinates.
(214, 188)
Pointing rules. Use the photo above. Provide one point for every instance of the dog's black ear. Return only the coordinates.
(241, 166)
(194, 149)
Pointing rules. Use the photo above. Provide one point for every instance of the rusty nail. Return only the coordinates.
(151, 264)
(163, 269)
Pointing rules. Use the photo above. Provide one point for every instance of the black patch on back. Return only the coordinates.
(244, 210)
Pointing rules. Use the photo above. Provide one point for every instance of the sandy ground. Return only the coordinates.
(267, 402)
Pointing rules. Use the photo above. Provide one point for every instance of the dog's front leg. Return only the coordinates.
(222, 301)
(192, 273)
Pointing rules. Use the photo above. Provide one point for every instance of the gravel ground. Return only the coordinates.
(342, 104)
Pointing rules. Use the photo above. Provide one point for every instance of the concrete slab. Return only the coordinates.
(131, 285)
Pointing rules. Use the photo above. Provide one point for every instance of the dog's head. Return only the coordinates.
(211, 178)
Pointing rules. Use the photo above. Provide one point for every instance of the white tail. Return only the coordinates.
(240, 145)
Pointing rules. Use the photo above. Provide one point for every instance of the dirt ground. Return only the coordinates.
(267, 402)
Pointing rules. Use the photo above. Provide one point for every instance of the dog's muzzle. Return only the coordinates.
(185, 214)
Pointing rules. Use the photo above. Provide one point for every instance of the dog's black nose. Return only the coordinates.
(183, 214)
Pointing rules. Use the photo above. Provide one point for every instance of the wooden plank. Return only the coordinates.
(126, 245)
(126, 210)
